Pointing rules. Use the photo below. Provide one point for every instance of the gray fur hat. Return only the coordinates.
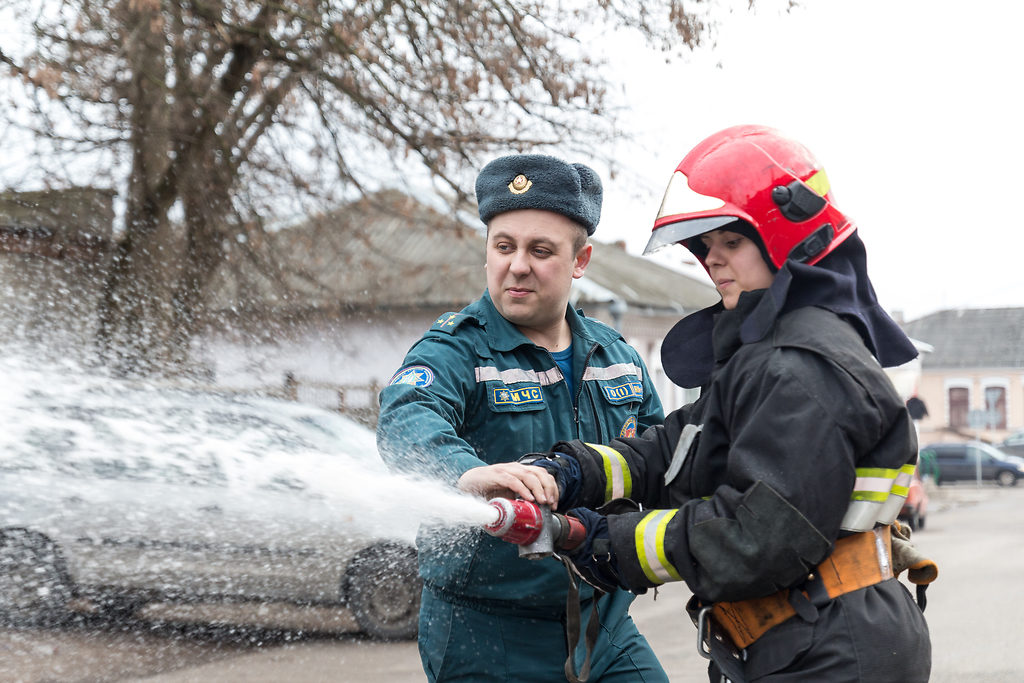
(536, 181)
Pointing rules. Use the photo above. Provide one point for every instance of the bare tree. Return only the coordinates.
(214, 117)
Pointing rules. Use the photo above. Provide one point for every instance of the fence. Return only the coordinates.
(358, 401)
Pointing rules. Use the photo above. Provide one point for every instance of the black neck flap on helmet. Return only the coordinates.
(838, 283)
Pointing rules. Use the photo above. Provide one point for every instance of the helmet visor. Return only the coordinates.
(681, 199)
(684, 230)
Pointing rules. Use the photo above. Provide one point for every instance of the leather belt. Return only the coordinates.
(858, 561)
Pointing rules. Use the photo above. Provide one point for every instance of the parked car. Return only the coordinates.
(963, 461)
(1013, 444)
(117, 496)
(915, 507)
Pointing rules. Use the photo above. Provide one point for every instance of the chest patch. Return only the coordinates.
(416, 375)
(629, 428)
(517, 397)
(626, 391)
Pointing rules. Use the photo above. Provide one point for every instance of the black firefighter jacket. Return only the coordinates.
(747, 489)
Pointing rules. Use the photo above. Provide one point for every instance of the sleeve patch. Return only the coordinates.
(416, 375)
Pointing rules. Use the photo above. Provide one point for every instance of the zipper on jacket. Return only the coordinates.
(579, 394)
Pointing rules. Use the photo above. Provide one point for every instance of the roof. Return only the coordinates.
(390, 251)
(971, 337)
(643, 283)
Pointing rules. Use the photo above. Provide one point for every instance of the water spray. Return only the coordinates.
(537, 530)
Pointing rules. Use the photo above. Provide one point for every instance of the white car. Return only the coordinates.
(123, 495)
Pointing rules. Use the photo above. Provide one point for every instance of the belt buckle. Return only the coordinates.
(704, 636)
(882, 553)
(727, 657)
(704, 632)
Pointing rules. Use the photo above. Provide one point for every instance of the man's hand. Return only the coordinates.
(511, 480)
(566, 471)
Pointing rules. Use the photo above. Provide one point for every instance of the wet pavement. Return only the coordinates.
(972, 532)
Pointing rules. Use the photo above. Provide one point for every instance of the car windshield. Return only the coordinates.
(1015, 439)
(989, 452)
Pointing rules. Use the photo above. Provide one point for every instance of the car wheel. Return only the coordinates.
(1006, 478)
(34, 585)
(920, 522)
(382, 588)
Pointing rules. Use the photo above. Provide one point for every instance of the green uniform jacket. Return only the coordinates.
(475, 391)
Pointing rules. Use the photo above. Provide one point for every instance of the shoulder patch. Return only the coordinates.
(448, 322)
(416, 375)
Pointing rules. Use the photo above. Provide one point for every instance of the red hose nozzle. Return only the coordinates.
(519, 521)
(522, 522)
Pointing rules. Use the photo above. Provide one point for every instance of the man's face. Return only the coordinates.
(531, 263)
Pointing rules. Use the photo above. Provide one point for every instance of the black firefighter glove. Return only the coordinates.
(594, 559)
(566, 471)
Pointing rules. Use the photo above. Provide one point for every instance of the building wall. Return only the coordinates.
(346, 348)
(934, 391)
(645, 334)
(49, 307)
(53, 257)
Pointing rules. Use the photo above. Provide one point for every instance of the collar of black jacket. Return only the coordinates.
(726, 337)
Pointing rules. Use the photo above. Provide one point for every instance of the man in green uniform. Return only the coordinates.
(514, 372)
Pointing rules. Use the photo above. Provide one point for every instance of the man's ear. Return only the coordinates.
(582, 261)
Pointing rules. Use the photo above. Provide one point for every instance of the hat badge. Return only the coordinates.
(520, 184)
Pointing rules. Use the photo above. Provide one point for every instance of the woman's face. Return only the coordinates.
(735, 264)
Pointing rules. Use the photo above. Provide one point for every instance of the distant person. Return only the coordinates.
(514, 372)
(774, 495)
(917, 408)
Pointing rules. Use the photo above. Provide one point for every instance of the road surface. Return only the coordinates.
(975, 535)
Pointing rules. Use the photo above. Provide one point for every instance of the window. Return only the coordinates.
(959, 404)
(949, 455)
(976, 454)
(995, 404)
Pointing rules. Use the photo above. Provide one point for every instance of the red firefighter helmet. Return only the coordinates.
(754, 174)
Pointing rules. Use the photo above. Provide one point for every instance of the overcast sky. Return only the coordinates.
(913, 107)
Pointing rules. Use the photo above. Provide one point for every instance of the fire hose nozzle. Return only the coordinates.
(534, 528)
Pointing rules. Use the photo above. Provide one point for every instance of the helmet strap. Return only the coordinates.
(812, 245)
